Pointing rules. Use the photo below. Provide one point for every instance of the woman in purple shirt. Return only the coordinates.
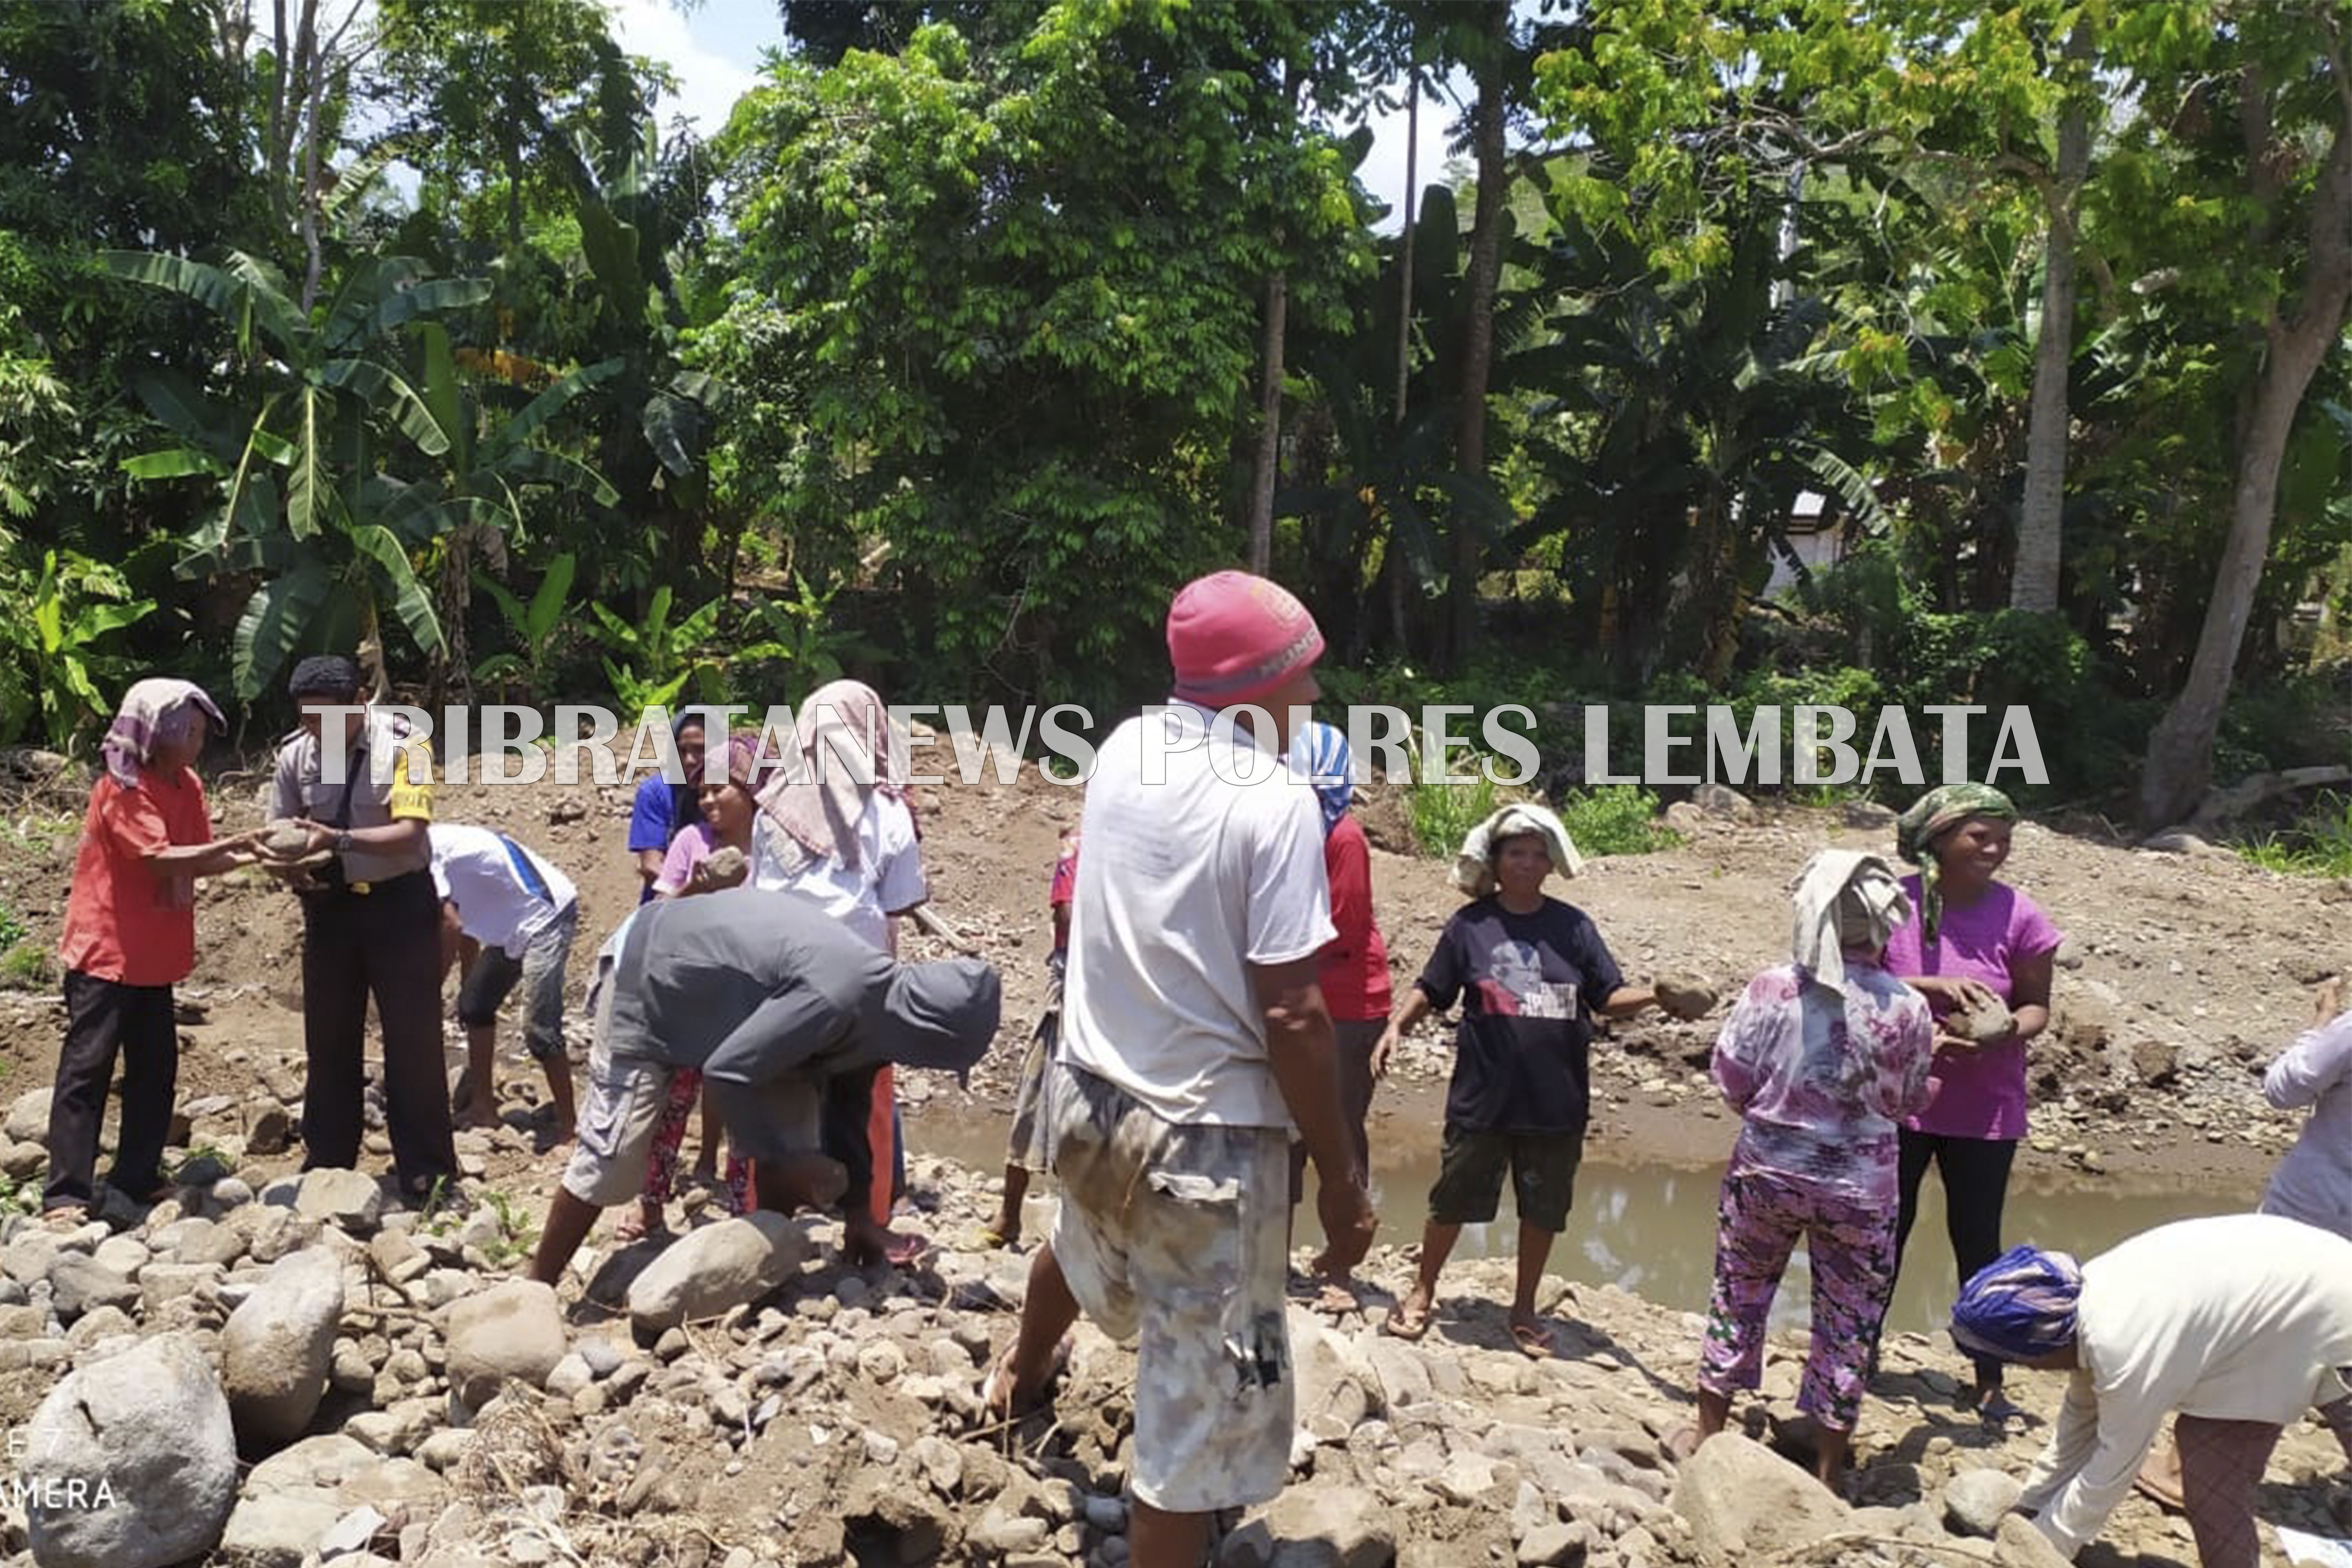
(1976, 939)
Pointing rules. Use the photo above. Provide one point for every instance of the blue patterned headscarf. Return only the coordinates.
(2019, 1306)
(1330, 767)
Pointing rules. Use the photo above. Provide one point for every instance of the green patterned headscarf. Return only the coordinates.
(1935, 814)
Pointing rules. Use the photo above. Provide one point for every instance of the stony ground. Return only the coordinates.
(736, 1397)
(831, 1419)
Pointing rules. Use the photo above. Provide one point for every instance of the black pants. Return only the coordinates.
(103, 1017)
(848, 1110)
(386, 944)
(1976, 1184)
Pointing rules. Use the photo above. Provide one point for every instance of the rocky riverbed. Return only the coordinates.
(281, 1371)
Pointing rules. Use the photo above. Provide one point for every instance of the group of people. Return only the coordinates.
(1220, 1011)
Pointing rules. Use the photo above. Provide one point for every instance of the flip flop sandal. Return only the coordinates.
(1997, 1411)
(1336, 1300)
(1534, 1341)
(1404, 1325)
(907, 1250)
(996, 1404)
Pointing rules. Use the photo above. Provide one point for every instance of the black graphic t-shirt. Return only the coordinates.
(1527, 984)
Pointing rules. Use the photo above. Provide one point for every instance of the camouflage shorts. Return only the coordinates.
(1174, 1236)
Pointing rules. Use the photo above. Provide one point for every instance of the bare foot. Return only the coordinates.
(475, 1114)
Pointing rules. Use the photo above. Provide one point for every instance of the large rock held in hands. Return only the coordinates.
(720, 1266)
(280, 1345)
(129, 1462)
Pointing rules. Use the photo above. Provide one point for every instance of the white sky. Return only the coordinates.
(716, 50)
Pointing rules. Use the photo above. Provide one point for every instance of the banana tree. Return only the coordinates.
(305, 465)
(472, 502)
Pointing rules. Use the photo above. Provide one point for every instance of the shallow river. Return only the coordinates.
(1651, 1228)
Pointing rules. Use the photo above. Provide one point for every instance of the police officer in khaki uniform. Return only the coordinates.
(372, 927)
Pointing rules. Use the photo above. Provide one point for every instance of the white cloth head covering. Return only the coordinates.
(1844, 897)
(1473, 868)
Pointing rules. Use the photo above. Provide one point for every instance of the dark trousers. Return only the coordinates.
(1976, 1184)
(102, 1018)
(848, 1107)
(384, 943)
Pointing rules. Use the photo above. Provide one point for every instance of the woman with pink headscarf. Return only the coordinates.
(130, 937)
(835, 828)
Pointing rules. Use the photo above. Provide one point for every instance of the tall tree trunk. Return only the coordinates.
(2179, 764)
(274, 150)
(2033, 584)
(1388, 588)
(1478, 339)
(1269, 425)
(1404, 248)
(314, 72)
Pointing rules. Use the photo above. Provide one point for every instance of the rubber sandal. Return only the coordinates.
(906, 1251)
(1534, 1341)
(1402, 1325)
(1997, 1411)
(996, 1391)
(1335, 1301)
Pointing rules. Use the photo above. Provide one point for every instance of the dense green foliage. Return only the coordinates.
(410, 327)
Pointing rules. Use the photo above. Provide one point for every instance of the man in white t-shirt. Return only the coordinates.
(1193, 1039)
(510, 917)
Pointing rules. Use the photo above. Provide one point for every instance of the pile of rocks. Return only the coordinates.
(737, 1399)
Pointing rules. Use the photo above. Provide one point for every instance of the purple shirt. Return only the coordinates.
(1819, 1076)
(1982, 1093)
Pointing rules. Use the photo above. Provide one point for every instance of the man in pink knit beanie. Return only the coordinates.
(1194, 1039)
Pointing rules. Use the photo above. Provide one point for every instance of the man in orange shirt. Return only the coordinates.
(130, 936)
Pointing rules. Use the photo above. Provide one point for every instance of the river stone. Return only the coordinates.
(1975, 1500)
(1744, 1503)
(1989, 1021)
(1685, 995)
(82, 1284)
(720, 1266)
(278, 1530)
(1314, 1527)
(511, 1329)
(348, 1200)
(29, 1118)
(152, 1427)
(724, 867)
(2018, 1544)
(278, 1347)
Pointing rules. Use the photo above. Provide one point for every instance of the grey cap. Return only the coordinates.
(940, 1015)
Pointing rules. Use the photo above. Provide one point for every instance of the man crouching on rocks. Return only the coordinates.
(1194, 1037)
(771, 997)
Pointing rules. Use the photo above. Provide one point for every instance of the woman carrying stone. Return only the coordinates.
(1819, 1057)
(1982, 954)
(130, 936)
(1532, 973)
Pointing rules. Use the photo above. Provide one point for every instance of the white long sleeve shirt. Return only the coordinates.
(2240, 1317)
(2314, 1183)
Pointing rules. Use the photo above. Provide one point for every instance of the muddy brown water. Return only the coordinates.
(1650, 1227)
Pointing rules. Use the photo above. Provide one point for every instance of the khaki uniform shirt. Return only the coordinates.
(407, 795)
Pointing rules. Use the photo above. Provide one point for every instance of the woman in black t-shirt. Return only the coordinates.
(1531, 972)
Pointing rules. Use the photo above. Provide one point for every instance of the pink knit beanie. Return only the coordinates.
(1234, 638)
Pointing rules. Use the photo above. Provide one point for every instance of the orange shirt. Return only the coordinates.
(121, 923)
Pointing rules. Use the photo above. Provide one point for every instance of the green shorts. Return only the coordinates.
(1543, 1166)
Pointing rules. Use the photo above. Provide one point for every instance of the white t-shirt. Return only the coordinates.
(2238, 1317)
(472, 869)
(889, 876)
(1184, 883)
